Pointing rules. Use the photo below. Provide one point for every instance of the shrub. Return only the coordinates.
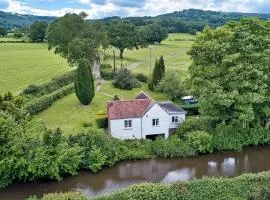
(201, 141)
(194, 124)
(125, 80)
(141, 77)
(107, 74)
(65, 196)
(173, 147)
(39, 104)
(102, 119)
(51, 86)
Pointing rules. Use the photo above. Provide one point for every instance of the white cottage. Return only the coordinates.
(143, 118)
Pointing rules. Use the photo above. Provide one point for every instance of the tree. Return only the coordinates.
(172, 85)
(37, 31)
(78, 40)
(125, 80)
(155, 33)
(84, 83)
(17, 33)
(230, 70)
(3, 31)
(158, 74)
(123, 35)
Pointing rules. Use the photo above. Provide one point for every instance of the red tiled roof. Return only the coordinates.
(128, 109)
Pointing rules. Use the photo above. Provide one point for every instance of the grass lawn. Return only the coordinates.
(173, 49)
(22, 64)
(7, 39)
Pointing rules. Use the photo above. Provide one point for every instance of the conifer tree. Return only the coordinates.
(84, 83)
(158, 73)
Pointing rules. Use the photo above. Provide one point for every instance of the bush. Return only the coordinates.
(194, 124)
(107, 74)
(39, 104)
(141, 77)
(201, 141)
(102, 119)
(51, 86)
(65, 196)
(125, 80)
(174, 147)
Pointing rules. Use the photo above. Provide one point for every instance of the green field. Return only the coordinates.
(25, 63)
(173, 49)
(22, 64)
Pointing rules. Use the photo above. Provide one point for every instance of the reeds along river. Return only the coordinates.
(153, 170)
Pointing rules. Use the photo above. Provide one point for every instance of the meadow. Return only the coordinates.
(27, 63)
(22, 64)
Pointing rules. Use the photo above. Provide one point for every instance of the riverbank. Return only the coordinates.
(164, 171)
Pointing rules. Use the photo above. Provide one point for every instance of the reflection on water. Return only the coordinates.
(153, 170)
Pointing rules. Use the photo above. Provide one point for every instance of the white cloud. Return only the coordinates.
(150, 7)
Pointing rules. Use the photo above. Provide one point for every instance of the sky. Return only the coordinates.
(124, 8)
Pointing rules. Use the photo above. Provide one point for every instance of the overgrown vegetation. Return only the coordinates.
(125, 80)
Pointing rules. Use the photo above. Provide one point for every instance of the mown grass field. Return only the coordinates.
(70, 116)
(22, 64)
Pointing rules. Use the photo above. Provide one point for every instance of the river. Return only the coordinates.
(153, 170)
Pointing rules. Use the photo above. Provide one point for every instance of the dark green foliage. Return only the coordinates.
(193, 32)
(154, 33)
(192, 109)
(141, 77)
(51, 86)
(194, 124)
(158, 74)
(123, 35)
(37, 105)
(174, 147)
(201, 141)
(84, 83)
(75, 38)
(3, 31)
(17, 33)
(245, 187)
(65, 196)
(107, 72)
(37, 31)
(125, 80)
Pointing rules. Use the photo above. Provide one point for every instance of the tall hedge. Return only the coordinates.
(84, 83)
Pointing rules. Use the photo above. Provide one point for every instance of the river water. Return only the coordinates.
(153, 170)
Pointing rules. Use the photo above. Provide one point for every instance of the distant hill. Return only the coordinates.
(179, 21)
(13, 20)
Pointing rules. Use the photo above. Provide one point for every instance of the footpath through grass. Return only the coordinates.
(22, 64)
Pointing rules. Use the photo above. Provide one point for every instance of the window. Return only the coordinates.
(128, 123)
(155, 122)
(175, 119)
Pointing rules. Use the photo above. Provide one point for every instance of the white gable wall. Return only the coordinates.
(155, 112)
(181, 119)
(118, 130)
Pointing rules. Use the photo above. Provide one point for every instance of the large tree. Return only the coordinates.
(77, 40)
(155, 33)
(37, 31)
(230, 71)
(124, 35)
